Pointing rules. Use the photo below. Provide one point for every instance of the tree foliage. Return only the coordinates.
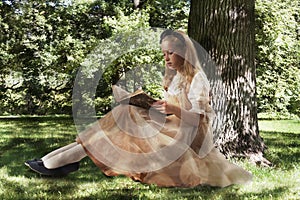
(130, 57)
(43, 43)
(277, 44)
(172, 14)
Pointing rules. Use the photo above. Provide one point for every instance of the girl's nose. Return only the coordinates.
(167, 57)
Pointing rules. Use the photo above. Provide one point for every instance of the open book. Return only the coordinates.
(138, 98)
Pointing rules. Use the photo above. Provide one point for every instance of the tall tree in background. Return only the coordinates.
(226, 30)
(42, 43)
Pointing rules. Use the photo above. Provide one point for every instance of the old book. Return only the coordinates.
(138, 98)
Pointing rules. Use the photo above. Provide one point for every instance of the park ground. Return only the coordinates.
(24, 138)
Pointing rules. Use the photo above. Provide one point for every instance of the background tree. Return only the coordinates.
(277, 59)
(226, 30)
(43, 43)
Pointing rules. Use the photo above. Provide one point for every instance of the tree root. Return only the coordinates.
(259, 160)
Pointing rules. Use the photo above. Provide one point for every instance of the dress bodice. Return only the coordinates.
(196, 99)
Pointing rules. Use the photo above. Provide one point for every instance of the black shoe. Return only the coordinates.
(38, 166)
(33, 160)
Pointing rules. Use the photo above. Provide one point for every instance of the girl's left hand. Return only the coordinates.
(163, 107)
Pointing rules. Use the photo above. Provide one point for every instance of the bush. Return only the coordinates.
(277, 44)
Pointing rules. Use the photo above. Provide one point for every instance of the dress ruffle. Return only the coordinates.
(153, 148)
(166, 157)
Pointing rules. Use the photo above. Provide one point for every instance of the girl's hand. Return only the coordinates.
(189, 117)
(164, 107)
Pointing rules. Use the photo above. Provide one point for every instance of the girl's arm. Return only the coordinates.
(187, 116)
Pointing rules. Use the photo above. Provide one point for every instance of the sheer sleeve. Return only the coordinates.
(199, 94)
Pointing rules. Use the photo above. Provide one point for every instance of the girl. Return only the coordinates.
(171, 150)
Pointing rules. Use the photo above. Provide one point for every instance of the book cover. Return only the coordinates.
(138, 98)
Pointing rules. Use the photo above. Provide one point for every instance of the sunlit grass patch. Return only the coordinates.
(27, 138)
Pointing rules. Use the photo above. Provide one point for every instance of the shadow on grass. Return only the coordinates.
(28, 138)
(230, 192)
(201, 192)
(19, 190)
(283, 148)
(24, 139)
(275, 193)
(128, 194)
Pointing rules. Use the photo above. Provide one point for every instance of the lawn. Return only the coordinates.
(25, 138)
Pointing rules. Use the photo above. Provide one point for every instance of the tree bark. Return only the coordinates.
(226, 30)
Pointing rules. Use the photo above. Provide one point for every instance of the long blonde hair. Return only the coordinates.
(191, 64)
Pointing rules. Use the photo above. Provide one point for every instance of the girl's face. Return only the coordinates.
(173, 55)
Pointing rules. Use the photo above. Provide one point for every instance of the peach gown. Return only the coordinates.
(163, 150)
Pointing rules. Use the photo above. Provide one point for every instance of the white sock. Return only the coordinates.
(63, 156)
(57, 151)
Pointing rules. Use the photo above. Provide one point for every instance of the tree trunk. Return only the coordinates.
(226, 30)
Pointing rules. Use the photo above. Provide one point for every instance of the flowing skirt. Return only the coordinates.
(156, 149)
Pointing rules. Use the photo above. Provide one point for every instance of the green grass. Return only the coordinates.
(25, 138)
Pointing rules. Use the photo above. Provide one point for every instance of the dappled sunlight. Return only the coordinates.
(273, 183)
(289, 126)
(283, 149)
(27, 187)
(26, 139)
